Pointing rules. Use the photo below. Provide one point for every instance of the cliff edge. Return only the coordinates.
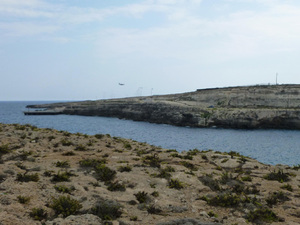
(250, 107)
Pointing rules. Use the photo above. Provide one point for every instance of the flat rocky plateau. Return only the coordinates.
(249, 107)
(55, 177)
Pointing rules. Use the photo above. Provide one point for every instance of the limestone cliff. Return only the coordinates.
(268, 106)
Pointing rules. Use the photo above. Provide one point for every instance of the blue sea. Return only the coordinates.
(267, 146)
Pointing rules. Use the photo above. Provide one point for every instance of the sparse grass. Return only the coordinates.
(23, 199)
(175, 183)
(28, 177)
(107, 209)
(65, 205)
(38, 214)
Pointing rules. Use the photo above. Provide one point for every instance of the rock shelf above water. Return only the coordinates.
(250, 107)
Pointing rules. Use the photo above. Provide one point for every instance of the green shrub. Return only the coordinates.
(107, 209)
(38, 214)
(69, 153)
(104, 173)
(224, 200)
(127, 146)
(99, 136)
(151, 209)
(62, 164)
(116, 186)
(28, 177)
(91, 162)
(142, 197)
(287, 187)
(246, 178)
(279, 176)
(65, 205)
(81, 148)
(66, 142)
(23, 199)
(176, 184)
(276, 197)
(210, 182)
(262, 215)
(152, 160)
(63, 189)
(126, 168)
(188, 165)
(61, 177)
(4, 149)
(155, 193)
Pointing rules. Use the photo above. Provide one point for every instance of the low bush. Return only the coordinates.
(116, 186)
(62, 164)
(61, 176)
(28, 177)
(63, 189)
(107, 209)
(126, 168)
(104, 173)
(152, 160)
(176, 184)
(91, 162)
(23, 199)
(142, 197)
(38, 214)
(65, 205)
(279, 176)
(262, 215)
(287, 187)
(276, 197)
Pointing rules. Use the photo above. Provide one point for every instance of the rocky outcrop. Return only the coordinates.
(270, 106)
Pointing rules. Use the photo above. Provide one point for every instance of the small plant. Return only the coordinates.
(50, 138)
(126, 168)
(81, 148)
(152, 160)
(38, 214)
(91, 162)
(65, 205)
(61, 177)
(279, 176)
(224, 200)
(133, 218)
(23, 199)
(4, 149)
(62, 164)
(48, 173)
(155, 193)
(63, 189)
(116, 186)
(262, 215)
(153, 210)
(142, 197)
(107, 209)
(176, 184)
(127, 146)
(66, 142)
(246, 178)
(276, 197)
(210, 182)
(69, 153)
(287, 187)
(27, 177)
(99, 136)
(189, 165)
(212, 214)
(104, 173)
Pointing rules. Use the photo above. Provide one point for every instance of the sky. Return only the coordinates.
(82, 50)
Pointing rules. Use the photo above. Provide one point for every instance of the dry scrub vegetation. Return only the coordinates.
(55, 177)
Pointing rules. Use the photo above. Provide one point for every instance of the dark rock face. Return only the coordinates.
(249, 107)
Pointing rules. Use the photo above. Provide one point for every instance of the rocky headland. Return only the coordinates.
(55, 177)
(250, 107)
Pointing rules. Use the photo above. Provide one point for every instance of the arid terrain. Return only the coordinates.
(246, 107)
(55, 177)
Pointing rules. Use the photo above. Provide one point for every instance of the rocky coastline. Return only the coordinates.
(246, 107)
(55, 177)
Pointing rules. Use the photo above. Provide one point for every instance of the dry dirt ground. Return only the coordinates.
(55, 177)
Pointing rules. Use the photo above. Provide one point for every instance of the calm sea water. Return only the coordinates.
(268, 146)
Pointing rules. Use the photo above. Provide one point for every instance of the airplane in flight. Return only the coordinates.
(121, 84)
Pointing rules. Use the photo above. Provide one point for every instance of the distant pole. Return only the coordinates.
(276, 78)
